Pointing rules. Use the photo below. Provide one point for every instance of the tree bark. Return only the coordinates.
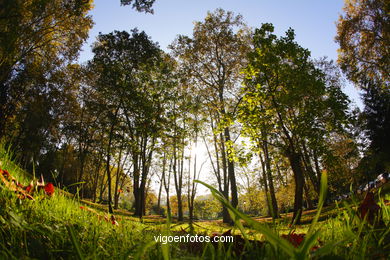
(295, 162)
(225, 213)
(110, 210)
(274, 204)
(231, 172)
(263, 181)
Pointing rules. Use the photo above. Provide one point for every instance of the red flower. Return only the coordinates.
(294, 239)
(120, 190)
(369, 207)
(49, 189)
(113, 220)
(29, 188)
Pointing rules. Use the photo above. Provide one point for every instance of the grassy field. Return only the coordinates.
(63, 227)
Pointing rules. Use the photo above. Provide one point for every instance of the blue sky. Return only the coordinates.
(313, 21)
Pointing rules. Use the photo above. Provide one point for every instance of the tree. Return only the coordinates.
(37, 38)
(212, 59)
(364, 37)
(286, 97)
(376, 118)
(135, 80)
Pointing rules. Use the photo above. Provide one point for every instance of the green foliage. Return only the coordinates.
(140, 5)
(56, 227)
(87, 126)
(363, 35)
(206, 207)
(291, 104)
(284, 91)
(36, 41)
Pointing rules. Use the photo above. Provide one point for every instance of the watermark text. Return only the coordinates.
(192, 239)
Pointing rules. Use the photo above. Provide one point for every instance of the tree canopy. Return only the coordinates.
(364, 37)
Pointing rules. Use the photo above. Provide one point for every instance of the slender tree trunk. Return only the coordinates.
(177, 175)
(307, 196)
(143, 194)
(190, 188)
(225, 213)
(231, 172)
(136, 188)
(166, 186)
(222, 180)
(284, 183)
(96, 181)
(296, 166)
(263, 181)
(118, 170)
(317, 166)
(97, 171)
(309, 169)
(110, 210)
(275, 211)
(159, 195)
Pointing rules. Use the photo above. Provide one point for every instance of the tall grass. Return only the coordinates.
(343, 237)
(56, 228)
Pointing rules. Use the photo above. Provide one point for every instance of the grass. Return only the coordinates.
(56, 228)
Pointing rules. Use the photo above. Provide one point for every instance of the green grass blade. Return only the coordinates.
(75, 242)
(321, 200)
(271, 236)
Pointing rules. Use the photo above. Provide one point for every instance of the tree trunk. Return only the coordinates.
(225, 213)
(116, 192)
(309, 169)
(159, 195)
(136, 188)
(274, 204)
(222, 180)
(263, 181)
(166, 186)
(295, 162)
(110, 210)
(231, 172)
(307, 196)
(177, 174)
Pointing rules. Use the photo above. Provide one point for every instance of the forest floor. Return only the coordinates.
(61, 226)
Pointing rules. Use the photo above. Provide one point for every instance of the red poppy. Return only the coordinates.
(120, 190)
(49, 189)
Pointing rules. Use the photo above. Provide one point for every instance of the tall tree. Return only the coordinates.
(37, 37)
(363, 32)
(135, 78)
(285, 96)
(213, 58)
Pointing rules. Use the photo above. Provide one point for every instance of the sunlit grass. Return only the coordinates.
(57, 228)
